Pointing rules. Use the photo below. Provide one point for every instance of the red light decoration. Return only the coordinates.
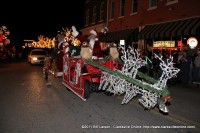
(179, 43)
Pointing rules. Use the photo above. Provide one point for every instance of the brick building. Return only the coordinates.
(142, 22)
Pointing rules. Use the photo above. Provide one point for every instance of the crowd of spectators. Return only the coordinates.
(187, 62)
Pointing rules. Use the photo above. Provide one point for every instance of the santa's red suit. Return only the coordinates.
(94, 43)
(97, 49)
(2, 37)
(92, 40)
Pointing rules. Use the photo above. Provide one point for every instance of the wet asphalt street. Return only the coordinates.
(28, 105)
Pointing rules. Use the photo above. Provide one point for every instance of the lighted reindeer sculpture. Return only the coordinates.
(151, 92)
(168, 71)
(132, 61)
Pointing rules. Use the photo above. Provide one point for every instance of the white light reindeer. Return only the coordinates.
(125, 81)
(168, 71)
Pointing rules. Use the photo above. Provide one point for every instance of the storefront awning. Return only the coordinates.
(171, 29)
(119, 35)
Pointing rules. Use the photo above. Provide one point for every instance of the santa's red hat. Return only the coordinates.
(94, 32)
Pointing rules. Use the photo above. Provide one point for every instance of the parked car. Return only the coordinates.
(36, 56)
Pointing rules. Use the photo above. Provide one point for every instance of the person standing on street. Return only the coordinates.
(185, 62)
(197, 69)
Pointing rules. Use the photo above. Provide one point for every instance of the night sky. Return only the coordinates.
(28, 20)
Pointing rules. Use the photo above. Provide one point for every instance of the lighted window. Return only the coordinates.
(134, 6)
(112, 9)
(102, 11)
(122, 7)
(94, 14)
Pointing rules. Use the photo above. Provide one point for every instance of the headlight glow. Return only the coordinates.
(34, 58)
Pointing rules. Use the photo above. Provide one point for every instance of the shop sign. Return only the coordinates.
(122, 42)
(164, 44)
(192, 42)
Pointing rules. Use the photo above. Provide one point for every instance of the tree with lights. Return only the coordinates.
(65, 45)
(4, 41)
(4, 33)
(43, 42)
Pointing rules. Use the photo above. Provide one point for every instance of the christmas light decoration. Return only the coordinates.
(69, 37)
(43, 42)
(124, 81)
(4, 33)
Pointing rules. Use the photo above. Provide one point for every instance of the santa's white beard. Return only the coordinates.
(114, 53)
(92, 42)
(86, 53)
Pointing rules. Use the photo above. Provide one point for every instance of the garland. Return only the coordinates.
(163, 91)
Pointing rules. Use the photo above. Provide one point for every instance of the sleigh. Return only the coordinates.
(116, 75)
(119, 77)
(82, 78)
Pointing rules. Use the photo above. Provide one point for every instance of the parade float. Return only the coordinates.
(65, 44)
(117, 73)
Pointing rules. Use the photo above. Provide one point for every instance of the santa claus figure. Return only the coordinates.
(92, 44)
